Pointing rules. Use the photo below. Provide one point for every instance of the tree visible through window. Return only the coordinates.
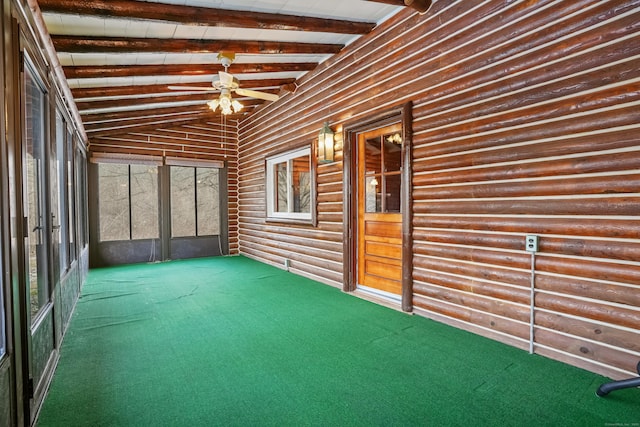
(195, 201)
(289, 185)
(128, 201)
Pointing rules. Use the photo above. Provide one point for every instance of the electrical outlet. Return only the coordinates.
(531, 243)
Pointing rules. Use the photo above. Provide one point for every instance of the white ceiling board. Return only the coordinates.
(91, 59)
(357, 10)
(73, 25)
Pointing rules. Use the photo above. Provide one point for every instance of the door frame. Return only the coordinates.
(399, 114)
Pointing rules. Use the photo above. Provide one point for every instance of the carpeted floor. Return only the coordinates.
(230, 341)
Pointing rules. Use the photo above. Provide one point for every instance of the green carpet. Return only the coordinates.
(230, 341)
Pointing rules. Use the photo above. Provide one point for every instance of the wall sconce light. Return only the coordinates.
(325, 144)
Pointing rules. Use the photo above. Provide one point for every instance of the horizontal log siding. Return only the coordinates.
(206, 141)
(526, 121)
(544, 141)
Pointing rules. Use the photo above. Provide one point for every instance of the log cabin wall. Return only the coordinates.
(208, 140)
(525, 121)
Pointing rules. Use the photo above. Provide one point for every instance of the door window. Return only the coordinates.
(383, 169)
(33, 169)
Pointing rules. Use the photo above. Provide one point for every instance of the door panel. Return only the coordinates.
(37, 235)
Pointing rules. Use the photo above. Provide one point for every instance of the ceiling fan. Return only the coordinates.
(226, 84)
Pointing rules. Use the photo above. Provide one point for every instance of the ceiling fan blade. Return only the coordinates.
(226, 79)
(256, 94)
(193, 88)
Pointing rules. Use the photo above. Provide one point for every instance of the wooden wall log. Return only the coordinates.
(619, 206)
(594, 269)
(474, 286)
(590, 310)
(594, 331)
(483, 256)
(607, 228)
(485, 320)
(492, 273)
(586, 349)
(472, 139)
(598, 184)
(562, 145)
(599, 291)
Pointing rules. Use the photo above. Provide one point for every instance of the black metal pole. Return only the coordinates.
(605, 389)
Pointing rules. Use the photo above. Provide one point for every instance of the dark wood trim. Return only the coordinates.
(176, 96)
(141, 90)
(406, 200)
(164, 194)
(84, 44)
(223, 194)
(401, 114)
(314, 183)
(103, 71)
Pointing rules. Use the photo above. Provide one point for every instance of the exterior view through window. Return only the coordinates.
(289, 185)
(128, 202)
(195, 201)
(33, 158)
(383, 173)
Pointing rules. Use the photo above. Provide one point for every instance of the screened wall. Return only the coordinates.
(150, 210)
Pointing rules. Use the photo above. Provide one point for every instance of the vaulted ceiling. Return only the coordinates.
(120, 56)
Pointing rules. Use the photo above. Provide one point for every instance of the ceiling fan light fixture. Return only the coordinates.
(237, 106)
(213, 104)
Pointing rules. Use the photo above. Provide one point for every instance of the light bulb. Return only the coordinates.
(213, 104)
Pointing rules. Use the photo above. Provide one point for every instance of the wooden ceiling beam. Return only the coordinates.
(202, 16)
(84, 44)
(151, 113)
(83, 106)
(121, 128)
(106, 91)
(102, 71)
(104, 118)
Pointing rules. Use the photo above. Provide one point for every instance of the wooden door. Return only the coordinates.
(379, 165)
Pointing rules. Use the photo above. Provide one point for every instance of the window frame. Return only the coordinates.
(195, 167)
(129, 203)
(307, 218)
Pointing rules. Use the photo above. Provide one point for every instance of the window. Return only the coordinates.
(71, 231)
(35, 125)
(289, 186)
(81, 197)
(195, 201)
(383, 173)
(128, 201)
(61, 191)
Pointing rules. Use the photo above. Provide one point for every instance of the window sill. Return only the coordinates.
(293, 221)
